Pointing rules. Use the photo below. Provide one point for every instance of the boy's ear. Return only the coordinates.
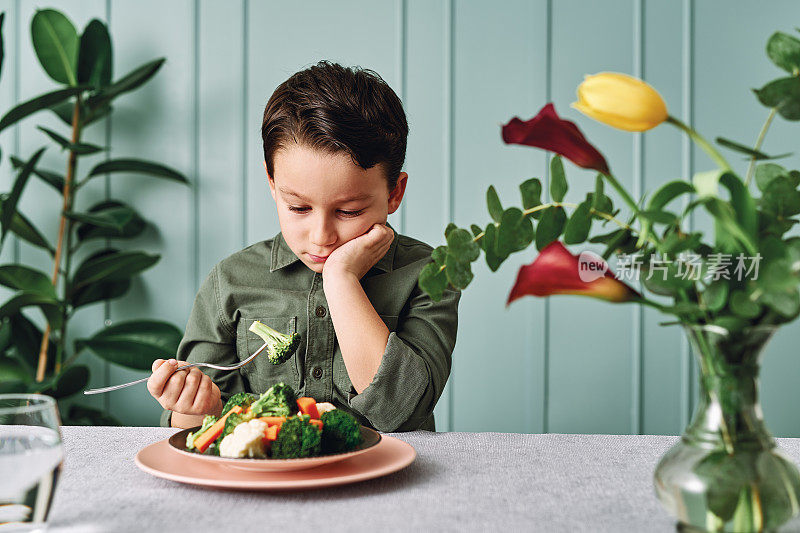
(396, 196)
(270, 182)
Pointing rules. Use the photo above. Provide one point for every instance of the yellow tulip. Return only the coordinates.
(621, 101)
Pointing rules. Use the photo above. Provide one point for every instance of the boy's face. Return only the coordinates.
(325, 200)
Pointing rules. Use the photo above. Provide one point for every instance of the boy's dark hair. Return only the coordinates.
(338, 109)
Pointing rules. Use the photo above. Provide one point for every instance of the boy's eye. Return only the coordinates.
(341, 211)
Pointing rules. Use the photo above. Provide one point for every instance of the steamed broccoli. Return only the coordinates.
(208, 421)
(279, 400)
(341, 432)
(240, 398)
(297, 438)
(281, 346)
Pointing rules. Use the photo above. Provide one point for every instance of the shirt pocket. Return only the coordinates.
(260, 373)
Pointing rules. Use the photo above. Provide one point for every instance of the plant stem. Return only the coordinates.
(757, 147)
(65, 225)
(701, 142)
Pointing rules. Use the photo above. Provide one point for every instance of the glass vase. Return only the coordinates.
(726, 472)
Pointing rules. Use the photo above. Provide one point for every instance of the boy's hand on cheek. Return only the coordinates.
(358, 255)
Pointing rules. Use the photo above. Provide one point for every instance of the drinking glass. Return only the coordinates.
(31, 455)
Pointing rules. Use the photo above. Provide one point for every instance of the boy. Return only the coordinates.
(372, 343)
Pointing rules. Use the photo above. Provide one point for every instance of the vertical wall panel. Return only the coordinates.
(662, 152)
(590, 341)
(499, 65)
(155, 122)
(428, 189)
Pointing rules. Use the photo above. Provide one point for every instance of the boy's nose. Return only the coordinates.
(323, 233)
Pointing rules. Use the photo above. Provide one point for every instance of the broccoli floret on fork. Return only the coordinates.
(281, 346)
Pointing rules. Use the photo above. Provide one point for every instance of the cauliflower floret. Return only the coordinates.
(246, 440)
(324, 407)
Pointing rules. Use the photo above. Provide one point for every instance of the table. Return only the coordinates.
(459, 482)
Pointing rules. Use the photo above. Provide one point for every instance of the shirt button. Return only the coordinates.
(320, 311)
(317, 372)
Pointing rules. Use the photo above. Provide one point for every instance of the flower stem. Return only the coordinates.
(701, 142)
(757, 147)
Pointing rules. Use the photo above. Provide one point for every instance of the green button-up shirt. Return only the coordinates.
(268, 282)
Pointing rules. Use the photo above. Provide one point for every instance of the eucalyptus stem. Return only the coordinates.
(701, 142)
(757, 147)
(65, 226)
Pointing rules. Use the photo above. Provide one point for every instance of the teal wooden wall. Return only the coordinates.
(462, 68)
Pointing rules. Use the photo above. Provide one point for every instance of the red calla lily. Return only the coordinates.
(549, 132)
(557, 271)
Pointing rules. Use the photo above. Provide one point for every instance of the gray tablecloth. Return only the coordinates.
(459, 482)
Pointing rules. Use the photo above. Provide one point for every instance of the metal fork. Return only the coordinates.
(186, 367)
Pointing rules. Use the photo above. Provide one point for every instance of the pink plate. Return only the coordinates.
(369, 439)
(390, 455)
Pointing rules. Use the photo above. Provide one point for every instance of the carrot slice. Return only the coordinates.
(272, 420)
(272, 432)
(317, 423)
(210, 435)
(308, 406)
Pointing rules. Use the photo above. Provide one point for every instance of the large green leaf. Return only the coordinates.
(9, 204)
(38, 103)
(782, 94)
(113, 266)
(550, 226)
(24, 278)
(78, 148)
(72, 380)
(743, 224)
(460, 244)
(558, 180)
(27, 341)
(137, 166)
(664, 195)
(53, 179)
(766, 173)
(489, 245)
(56, 43)
(514, 233)
(94, 57)
(109, 219)
(433, 281)
(784, 51)
(579, 224)
(531, 192)
(134, 344)
(66, 110)
(25, 230)
(127, 83)
(99, 291)
(50, 306)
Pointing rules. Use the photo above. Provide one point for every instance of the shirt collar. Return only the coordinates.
(283, 256)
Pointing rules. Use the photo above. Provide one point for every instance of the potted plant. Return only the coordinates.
(730, 289)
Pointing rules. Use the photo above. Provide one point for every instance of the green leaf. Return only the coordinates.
(111, 266)
(766, 173)
(450, 227)
(531, 192)
(460, 244)
(109, 219)
(25, 230)
(514, 233)
(785, 303)
(56, 43)
(27, 340)
(38, 103)
(439, 255)
(782, 94)
(780, 198)
(558, 180)
(51, 178)
(724, 476)
(433, 281)
(100, 291)
(88, 115)
(72, 380)
(784, 51)
(742, 223)
(755, 154)
(716, 295)
(656, 216)
(94, 57)
(134, 344)
(137, 166)
(50, 306)
(743, 306)
(476, 230)
(550, 226)
(493, 204)
(489, 245)
(459, 272)
(127, 83)
(13, 370)
(79, 148)
(9, 204)
(579, 224)
(23, 278)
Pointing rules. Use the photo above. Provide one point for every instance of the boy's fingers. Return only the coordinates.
(157, 363)
(172, 390)
(189, 391)
(204, 395)
(157, 381)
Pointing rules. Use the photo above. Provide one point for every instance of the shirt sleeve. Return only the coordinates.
(415, 365)
(210, 338)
